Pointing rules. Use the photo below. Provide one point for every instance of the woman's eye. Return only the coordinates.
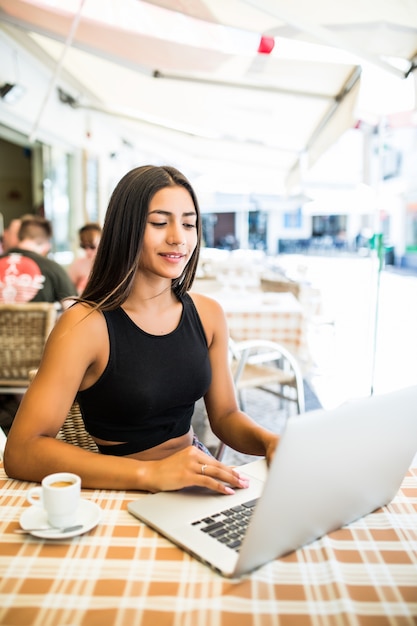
(190, 226)
(158, 223)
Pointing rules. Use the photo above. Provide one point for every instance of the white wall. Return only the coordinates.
(41, 118)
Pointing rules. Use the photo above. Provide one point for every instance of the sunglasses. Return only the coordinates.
(88, 246)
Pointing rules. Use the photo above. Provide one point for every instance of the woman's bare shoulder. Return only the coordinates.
(207, 307)
(212, 317)
(79, 319)
(80, 310)
(80, 337)
(205, 304)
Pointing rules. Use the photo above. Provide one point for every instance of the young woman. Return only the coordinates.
(138, 351)
(80, 268)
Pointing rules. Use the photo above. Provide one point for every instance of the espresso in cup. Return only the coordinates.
(60, 496)
(62, 483)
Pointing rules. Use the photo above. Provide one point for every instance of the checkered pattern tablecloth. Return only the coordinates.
(284, 328)
(277, 317)
(123, 573)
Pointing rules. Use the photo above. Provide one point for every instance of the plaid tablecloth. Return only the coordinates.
(273, 316)
(123, 573)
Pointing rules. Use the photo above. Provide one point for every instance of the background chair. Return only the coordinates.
(268, 366)
(24, 329)
(280, 285)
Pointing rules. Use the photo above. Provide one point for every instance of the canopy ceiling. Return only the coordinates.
(189, 74)
(383, 32)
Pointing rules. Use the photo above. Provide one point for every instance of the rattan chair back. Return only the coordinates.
(73, 430)
(24, 328)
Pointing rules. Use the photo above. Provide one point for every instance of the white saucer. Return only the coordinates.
(89, 515)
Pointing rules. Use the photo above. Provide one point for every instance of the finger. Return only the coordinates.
(215, 485)
(223, 475)
(208, 461)
(210, 467)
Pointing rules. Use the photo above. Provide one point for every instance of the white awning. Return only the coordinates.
(197, 84)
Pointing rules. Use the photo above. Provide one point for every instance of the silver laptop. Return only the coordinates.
(331, 467)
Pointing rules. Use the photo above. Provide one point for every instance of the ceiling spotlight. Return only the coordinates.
(66, 98)
(11, 92)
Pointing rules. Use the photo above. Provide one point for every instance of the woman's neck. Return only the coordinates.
(151, 294)
(157, 312)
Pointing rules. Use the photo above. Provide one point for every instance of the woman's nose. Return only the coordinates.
(176, 236)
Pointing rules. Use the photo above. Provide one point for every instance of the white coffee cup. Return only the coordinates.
(59, 494)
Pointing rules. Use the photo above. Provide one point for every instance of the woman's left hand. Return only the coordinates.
(271, 447)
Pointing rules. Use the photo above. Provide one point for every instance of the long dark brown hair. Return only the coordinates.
(119, 250)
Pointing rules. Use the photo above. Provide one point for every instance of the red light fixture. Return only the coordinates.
(266, 45)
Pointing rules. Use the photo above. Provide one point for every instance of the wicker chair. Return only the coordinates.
(24, 329)
(73, 430)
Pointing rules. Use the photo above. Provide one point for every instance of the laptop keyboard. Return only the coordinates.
(228, 526)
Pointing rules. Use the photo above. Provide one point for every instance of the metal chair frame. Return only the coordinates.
(265, 365)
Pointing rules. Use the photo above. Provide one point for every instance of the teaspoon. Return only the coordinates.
(67, 529)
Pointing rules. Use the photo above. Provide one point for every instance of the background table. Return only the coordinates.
(123, 573)
(258, 315)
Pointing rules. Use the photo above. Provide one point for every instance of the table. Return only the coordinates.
(274, 316)
(123, 573)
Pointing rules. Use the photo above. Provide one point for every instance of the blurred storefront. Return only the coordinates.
(64, 160)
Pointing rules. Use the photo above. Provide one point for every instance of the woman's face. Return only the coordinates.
(89, 241)
(170, 234)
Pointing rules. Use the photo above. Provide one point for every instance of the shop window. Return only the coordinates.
(293, 219)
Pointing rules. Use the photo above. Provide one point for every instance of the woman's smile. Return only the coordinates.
(172, 257)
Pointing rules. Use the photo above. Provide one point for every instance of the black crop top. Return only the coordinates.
(146, 394)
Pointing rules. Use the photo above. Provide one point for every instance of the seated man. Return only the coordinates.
(26, 275)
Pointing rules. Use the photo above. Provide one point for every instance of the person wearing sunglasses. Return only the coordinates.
(79, 270)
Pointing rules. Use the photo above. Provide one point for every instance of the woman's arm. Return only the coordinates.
(231, 425)
(72, 359)
(75, 356)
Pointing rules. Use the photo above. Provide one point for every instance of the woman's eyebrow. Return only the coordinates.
(162, 212)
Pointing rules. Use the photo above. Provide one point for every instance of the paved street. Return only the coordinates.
(343, 338)
(372, 342)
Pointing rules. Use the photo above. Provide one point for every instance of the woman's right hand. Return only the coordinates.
(190, 467)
